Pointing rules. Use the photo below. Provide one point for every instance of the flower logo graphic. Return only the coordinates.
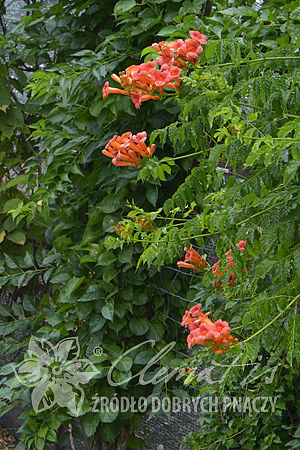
(55, 374)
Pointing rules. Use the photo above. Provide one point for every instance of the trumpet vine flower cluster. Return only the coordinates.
(230, 262)
(126, 229)
(146, 82)
(193, 260)
(119, 228)
(175, 53)
(128, 149)
(214, 335)
(145, 223)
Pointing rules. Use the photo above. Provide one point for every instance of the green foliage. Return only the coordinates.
(226, 166)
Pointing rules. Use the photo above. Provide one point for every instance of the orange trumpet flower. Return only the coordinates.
(214, 335)
(144, 82)
(177, 52)
(193, 257)
(230, 262)
(128, 149)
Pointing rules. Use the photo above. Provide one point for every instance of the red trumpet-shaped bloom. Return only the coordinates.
(230, 262)
(128, 149)
(145, 223)
(124, 230)
(119, 228)
(110, 90)
(177, 52)
(214, 335)
(192, 260)
(194, 317)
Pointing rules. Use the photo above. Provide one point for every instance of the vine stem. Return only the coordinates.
(270, 58)
(262, 109)
(180, 157)
(273, 139)
(21, 273)
(272, 321)
(245, 137)
(220, 231)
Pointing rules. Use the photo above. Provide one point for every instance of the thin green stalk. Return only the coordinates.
(242, 63)
(220, 231)
(181, 157)
(272, 321)
(273, 139)
(291, 115)
(262, 109)
(22, 273)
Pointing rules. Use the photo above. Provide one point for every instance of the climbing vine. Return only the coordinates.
(196, 146)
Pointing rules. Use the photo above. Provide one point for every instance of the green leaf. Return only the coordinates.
(108, 311)
(75, 169)
(109, 431)
(60, 277)
(14, 118)
(89, 423)
(109, 273)
(51, 436)
(156, 331)
(110, 204)
(125, 364)
(152, 195)
(10, 262)
(123, 6)
(146, 51)
(139, 326)
(18, 237)
(144, 357)
(166, 31)
(291, 171)
(73, 284)
(263, 268)
(107, 415)
(28, 259)
(295, 15)
(210, 50)
(4, 94)
(11, 204)
(240, 11)
(117, 324)
(140, 299)
(106, 258)
(125, 256)
(94, 292)
(2, 236)
(96, 323)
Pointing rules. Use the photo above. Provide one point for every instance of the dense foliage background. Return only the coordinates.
(230, 172)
